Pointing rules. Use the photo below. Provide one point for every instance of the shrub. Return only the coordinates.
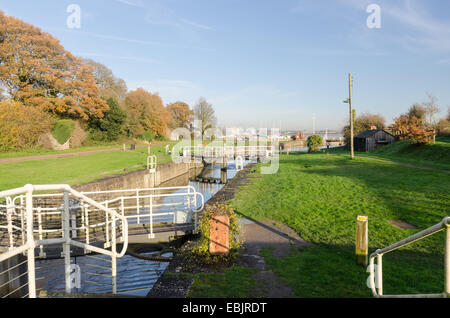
(147, 136)
(62, 130)
(21, 126)
(202, 248)
(314, 142)
(111, 126)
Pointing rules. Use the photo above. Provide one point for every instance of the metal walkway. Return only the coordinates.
(66, 223)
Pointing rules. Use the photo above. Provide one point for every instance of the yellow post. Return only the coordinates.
(362, 240)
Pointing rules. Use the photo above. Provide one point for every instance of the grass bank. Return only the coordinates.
(320, 196)
(435, 155)
(76, 169)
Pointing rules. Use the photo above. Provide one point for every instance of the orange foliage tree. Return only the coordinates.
(21, 126)
(37, 71)
(412, 128)
(181, 115)
(146, 112)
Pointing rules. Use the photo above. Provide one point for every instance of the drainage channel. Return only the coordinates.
(135, 276)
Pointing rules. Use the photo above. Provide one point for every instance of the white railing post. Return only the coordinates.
(107, 242)
(22, 221)
(379, 274)
(114, 254)
(86, 224)
(138, 207)
(9, 213)
(66, 236)
(151, 236)
(447, 259)
(41, 248)
(31, 243)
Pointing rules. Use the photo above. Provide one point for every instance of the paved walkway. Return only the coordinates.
(267, 234)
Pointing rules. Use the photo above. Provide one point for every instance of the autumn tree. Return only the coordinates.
(204, 112)
(443, 127)
(37, 71)
(418, 111)
(146, 113)
(181, 115)
(108, 84)
(413, 129)
(21, 126)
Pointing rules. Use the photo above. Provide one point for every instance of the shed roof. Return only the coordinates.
(368, 133)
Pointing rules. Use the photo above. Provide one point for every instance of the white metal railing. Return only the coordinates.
(139, 206)
(19, 235)
(376, 280)
(151, 163)
(228, 151)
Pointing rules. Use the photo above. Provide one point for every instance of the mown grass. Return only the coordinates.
(435, 155)
(43, 151)
(235, 282)
(76, 169)
(62, 130)
(320, 196)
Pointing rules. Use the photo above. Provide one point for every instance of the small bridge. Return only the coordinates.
(65, 223)
(220, 153)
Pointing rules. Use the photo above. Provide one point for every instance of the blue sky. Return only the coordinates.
(260, 62)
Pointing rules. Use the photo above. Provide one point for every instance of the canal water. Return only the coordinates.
(135, 276)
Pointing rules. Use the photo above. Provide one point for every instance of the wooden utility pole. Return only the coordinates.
(352, 153)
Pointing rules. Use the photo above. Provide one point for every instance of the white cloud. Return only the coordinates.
(428, 32)
(128, 40)
(129, 58)
(197, 25)
(133, 3)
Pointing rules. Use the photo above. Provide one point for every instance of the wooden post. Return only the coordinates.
(362, 240)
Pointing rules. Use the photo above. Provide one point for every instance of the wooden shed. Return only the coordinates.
(372, 139)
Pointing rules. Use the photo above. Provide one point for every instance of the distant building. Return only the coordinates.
(372, 139)
(299, 136)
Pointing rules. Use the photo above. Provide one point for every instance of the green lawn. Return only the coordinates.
(42, 151)
(435, 155)
(320, 196)
(76, 169)
(236, 282)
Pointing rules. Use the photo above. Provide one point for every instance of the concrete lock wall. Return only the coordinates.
(142, 178)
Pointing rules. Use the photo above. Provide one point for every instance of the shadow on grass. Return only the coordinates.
(331, 271)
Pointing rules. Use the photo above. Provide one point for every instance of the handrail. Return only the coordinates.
(161, 196)
(31, 243)
(443, 225)
(188, 187)
(79, 195)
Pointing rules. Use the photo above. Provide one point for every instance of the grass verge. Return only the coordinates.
(320, 196)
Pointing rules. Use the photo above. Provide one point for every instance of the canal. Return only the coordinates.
(135, 276)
